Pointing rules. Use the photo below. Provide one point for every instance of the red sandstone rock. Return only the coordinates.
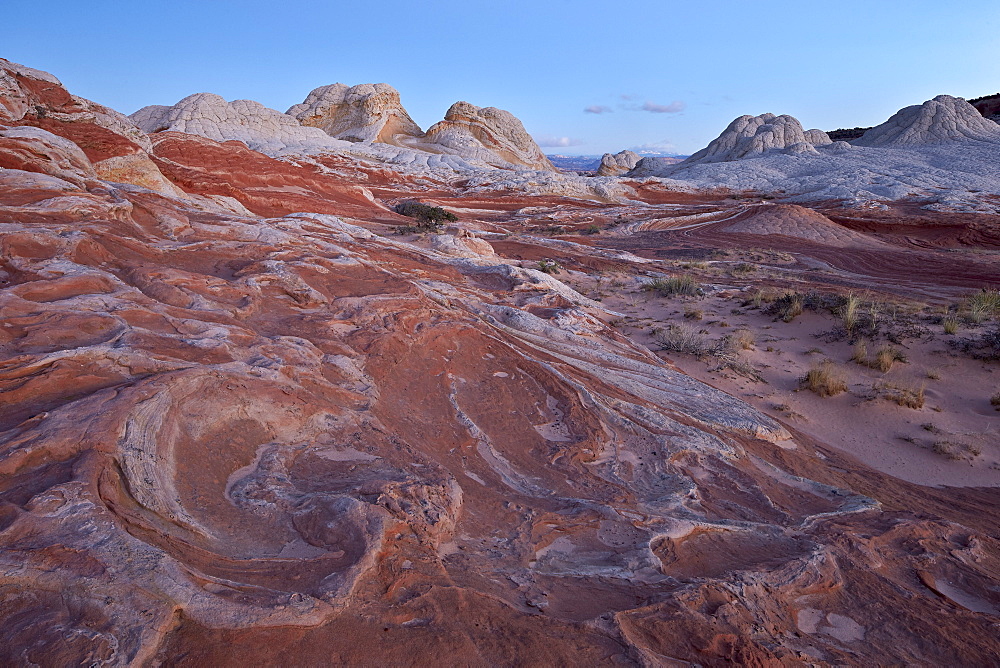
(229, 440)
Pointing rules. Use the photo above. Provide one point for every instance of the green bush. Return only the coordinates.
(430, 217)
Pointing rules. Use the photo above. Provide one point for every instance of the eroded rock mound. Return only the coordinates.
(363, 113)
(792, 220)
(116, 149)
(750, 136)
(260, 128)
(942, 119)
(492, 135)
(617, 163)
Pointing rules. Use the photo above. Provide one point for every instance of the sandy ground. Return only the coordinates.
(953, 440)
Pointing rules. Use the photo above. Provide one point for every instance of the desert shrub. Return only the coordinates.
(983, 305)
(683, 339)
(860, 354)
(682, 285)
(885, 357)
(549, 267)
(909, 397)
(824, 379)
(743, 268)
(430, 218)
(950, 325)
(984, 347)
(591, 229)
(694, 314)
(787, 307)
(953, 450)
(743, 339)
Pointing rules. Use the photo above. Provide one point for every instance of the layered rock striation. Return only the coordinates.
(363, 113)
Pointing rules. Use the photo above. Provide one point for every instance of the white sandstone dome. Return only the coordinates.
(750, 136)
(260, 128)
(362, 113)
(944, 118)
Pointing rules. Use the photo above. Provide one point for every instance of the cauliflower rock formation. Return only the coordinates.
(260, 128)
(749, 136)
(363, 113)
(618, 163)
(942, 119)
(492, 135)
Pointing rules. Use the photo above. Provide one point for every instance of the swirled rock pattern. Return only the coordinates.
(613, 164)
(941, 119)
(246, 435)
(363, 113)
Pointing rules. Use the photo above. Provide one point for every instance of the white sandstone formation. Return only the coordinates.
(750, 136)
(618, 163)
(492, 135)
(260, 128)
(943, 119)
(942, 152)
(363, 113)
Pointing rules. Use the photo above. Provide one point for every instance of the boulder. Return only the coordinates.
(750, 136)
(618, 163)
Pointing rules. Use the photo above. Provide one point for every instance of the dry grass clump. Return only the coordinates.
(950, 325)
(743, 339)
(908, 397)
(849, 311)
(743, 268)
(983, 305)
(956, 451)
(682, 285)
(683, 339)
(883, 360)
(825, 380)
(694, 314)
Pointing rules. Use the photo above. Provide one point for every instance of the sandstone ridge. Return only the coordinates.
(362, 113)
(941, 119)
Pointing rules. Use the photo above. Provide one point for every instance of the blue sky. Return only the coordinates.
(584, 76)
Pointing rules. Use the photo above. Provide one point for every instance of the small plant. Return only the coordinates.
(743, 339)
(849, 311)
(682, 285)
(956, 451)
(907, 397)
(885, 357)
(591, 229)
(825, 380)
(549, 267)
(933, 374)
(983, 305)
(743, 268)
(683, 339)
(787, 307)
(950, 325)
(694, 314)
(860, 354)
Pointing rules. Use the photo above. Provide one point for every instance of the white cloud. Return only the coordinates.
(598, 109)
(672, 108)
(664, 146)
(548, 141)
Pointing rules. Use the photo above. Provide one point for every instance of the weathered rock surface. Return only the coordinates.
(617, 163)
(262, 129)
(363, 113)
(117, 150)
(231, 438)
(941, 119)
(750, 136)
(492, 135)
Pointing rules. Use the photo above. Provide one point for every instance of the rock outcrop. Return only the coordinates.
(363, 113)
(617, 163)
(750, 136)
(492, 135)
(262, 129)
(941, 119)
(116, 148)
